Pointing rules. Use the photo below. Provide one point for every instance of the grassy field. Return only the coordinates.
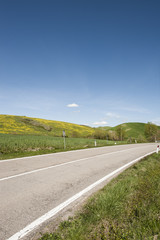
(12, 146)
(127, 208)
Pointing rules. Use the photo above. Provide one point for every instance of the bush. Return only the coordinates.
(100, 134)
(141, 139)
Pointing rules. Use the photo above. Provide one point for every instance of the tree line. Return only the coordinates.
(151, 134)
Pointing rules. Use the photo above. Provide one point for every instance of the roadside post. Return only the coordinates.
(95, 143)
(157, 149)
(64, 135)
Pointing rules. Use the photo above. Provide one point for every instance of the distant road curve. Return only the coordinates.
(34, 189)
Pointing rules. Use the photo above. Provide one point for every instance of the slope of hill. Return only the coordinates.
(132, 129)
(10, 124)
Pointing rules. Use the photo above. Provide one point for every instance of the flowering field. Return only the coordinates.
(10, 124)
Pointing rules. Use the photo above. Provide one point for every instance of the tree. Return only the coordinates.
(112, 135)
(99, 134)
(151, 131)
(141, 139)
(120, 133)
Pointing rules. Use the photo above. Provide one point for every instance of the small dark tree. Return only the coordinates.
(151, 131)
(99, 134)
(120, 133)
(112, 135)
(141, 139)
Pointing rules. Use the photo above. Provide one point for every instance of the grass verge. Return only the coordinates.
(127, 208)
(14, 146)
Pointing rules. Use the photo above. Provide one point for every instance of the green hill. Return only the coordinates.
(22, 125)
(133, 129)
(10, 124)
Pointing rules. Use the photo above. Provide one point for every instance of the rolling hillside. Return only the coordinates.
(10, 124)
(24, 136)
(22, 125)
(133, 129)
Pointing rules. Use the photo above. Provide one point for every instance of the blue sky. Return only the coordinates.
(86, 62)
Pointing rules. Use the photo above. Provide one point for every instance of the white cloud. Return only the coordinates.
(72, 105)
(100, 123)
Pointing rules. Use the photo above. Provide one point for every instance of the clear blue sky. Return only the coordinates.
(82, 61)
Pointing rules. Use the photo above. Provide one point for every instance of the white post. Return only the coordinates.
(157, 149)
(95, 143)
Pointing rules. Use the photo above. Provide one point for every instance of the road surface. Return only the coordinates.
(31, 187)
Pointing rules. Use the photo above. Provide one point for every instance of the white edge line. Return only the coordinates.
(58, 165)
(50, 154)
(57, 209)
(58, 153)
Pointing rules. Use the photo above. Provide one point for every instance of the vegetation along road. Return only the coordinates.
(33, 186)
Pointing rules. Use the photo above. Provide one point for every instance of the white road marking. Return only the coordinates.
(58, 153)
(57, 209)
(49, 154)
(58, 165)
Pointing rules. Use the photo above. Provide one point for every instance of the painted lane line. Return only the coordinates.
(58, 153)
(60, 207)
(59, 165)
(55, 166)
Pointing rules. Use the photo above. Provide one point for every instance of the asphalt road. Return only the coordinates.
(32, 186)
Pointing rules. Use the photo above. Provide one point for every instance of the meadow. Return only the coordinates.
(25, 145)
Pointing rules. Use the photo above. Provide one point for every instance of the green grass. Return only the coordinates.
(127, 208)
(134, 129)
(13, 146)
